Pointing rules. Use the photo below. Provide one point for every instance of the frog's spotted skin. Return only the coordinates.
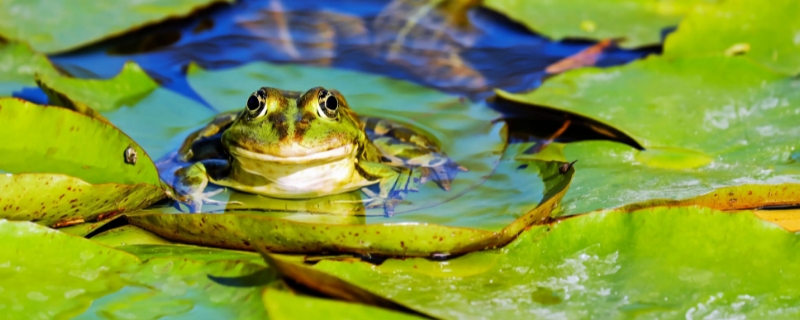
(288, 145)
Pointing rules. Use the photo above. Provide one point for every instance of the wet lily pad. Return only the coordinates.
(397, 236)
(707, 123)
(638, 23)
(128, 235)
(285, 305)
(79, 167)
(178, 286)
(766, 34)
(658, 262)
(50, 274)
(87, 228)
(52, 27)
(610, 176)
(128, 87)
(19, 65)
(328, 285)
(196, 253)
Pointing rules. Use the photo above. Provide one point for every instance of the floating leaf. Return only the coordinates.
(87, 228)
(378, 235)
(766, 34)
(68, 167)
(164, 286)
(285, 305)
(330, 286)
(50, 274)
(127, 235)
(18, 67)
(706, 123)
(639, 23)
(788, 219)
(658, 262)
(65, 26)
(149, 251)
(91, 97)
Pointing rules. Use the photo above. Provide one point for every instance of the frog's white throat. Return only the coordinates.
(324, 156)
(317, 174)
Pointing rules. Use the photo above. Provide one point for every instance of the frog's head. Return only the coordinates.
(279, 126)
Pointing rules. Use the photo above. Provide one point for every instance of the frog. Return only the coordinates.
(293, 145)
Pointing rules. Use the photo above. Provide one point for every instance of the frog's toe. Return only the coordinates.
(195, 201)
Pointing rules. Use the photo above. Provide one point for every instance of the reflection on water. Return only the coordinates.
(468, 51)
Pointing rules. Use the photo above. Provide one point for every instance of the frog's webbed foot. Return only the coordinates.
(190, 184)
(196, 200)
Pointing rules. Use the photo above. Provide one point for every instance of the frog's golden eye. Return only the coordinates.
(328, 104)
(256, 104)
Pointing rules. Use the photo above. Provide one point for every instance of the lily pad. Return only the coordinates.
(179, 286)
(19, 65)
(79, 167)
(610, 176)
(657, 263)
(639, 23)
(196, 253)
(707, 123)
(285, 305)
(50, 274)
(87, 228)
(53, 27)
(330, 286)
(768, 34)
(378, 235)
(128, 235)
(129, 86)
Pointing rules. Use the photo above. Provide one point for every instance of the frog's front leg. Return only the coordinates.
(191, 181)
(393, 183)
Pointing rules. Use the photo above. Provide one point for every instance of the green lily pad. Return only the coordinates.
(330, 286)
(179, 286)
(61, 200)
(53, 27)
(90, 95)
(69, 167)
(707, 123)
(657, 263)
(196, 253)
(639, 23)
(85, 229)
(19, 65)
(768, 34)
(611, 176)
(376, 235)
(285, 305)
(50, 274)
(127, 235)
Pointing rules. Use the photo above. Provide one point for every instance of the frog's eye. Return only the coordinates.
(256, 105)
(328, 105)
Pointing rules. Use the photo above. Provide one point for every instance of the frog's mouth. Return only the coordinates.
(322, 156)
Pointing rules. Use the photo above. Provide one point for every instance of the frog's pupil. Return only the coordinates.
(252, 103)
(331, 103)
